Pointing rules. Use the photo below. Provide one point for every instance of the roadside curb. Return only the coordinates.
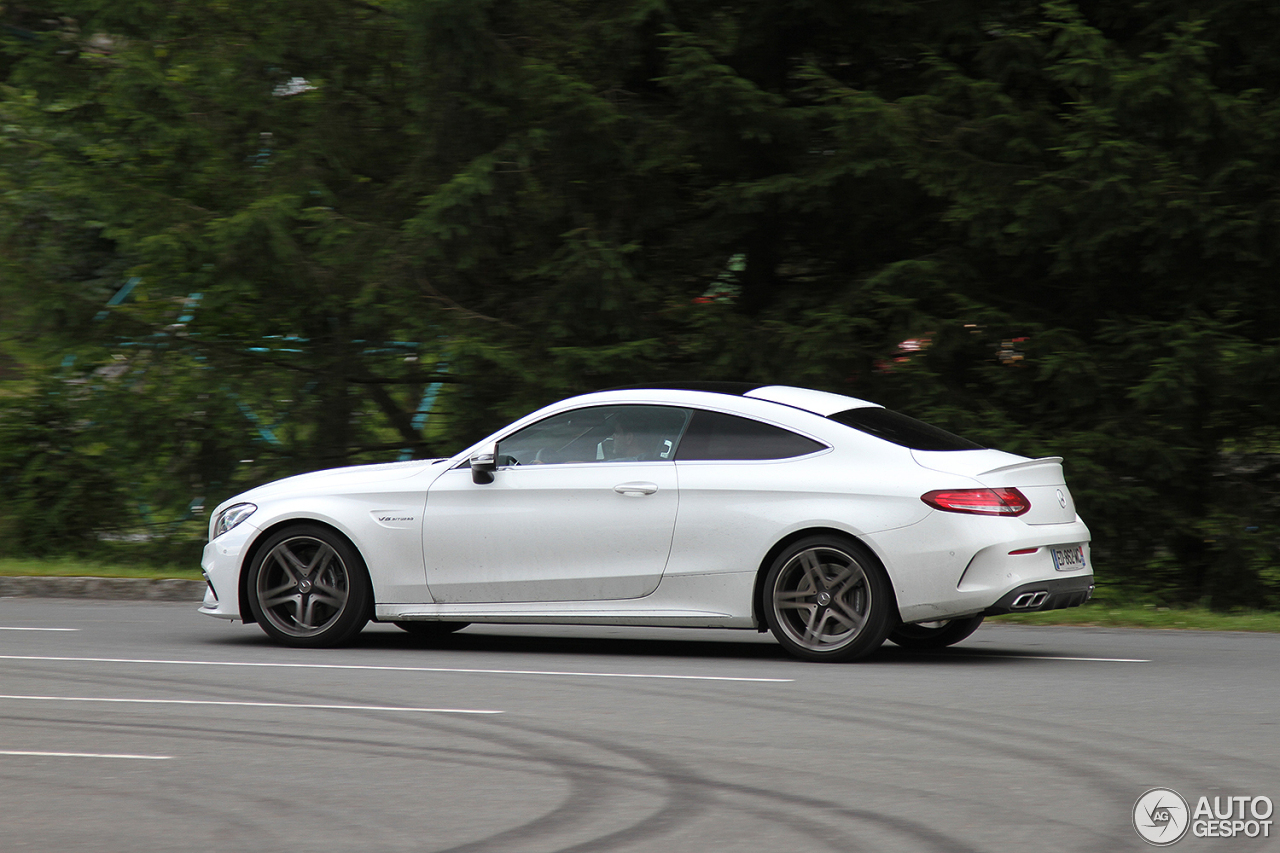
(117, 589)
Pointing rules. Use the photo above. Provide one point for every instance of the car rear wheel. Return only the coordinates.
(308, 587)
(430, 630)
(827, 599)
(935, 635)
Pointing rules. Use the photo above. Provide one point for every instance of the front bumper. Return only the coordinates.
(221, 565)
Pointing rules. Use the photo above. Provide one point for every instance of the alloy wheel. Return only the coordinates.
(303, 587)
(821, 599)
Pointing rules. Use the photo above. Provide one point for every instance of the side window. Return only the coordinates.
(713, 435)
(597, 434)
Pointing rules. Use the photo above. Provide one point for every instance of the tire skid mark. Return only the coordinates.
(594, 788)
(390, 748)
(628, 795)
(946, 730)
(1139, 755)
(1136, 747)
(1120, 789)
(819, 830)
(1133, 749)
(262, 814)
(691, 794)
(597, 788)
(1142, 747)
(377, 749)
(594, 785)
(927, 721)
(685, 799)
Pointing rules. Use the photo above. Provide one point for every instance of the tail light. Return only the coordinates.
(979, 501)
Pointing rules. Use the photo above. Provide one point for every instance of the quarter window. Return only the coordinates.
(713, 435)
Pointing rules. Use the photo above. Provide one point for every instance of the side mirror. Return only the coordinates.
(482, 465)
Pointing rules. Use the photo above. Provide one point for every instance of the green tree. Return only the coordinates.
(334, 212)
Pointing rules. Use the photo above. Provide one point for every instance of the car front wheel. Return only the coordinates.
(827, 599)
(934, 635)
(309, 587)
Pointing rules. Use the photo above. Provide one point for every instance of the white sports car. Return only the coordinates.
(831, 521)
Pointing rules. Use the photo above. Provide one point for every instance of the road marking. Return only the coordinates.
(5, 628)
(224, 703)
(1053, 657)
(1100, 660)
(85, 755)
(373, 668)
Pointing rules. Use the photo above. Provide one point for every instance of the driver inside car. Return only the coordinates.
(629, 440)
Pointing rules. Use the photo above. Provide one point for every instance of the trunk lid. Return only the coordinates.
(1040, 480)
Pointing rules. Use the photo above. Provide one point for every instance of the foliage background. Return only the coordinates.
(240, 240)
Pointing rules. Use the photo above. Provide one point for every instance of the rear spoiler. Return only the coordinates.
(1034, 472)
(1030, 463)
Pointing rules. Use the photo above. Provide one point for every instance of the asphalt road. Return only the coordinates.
(147, 727)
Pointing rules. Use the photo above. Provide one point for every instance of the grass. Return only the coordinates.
(63, 567)
(1101, 614)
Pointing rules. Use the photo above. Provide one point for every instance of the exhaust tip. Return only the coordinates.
(1029, 600)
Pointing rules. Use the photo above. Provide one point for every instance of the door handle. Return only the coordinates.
(635, 490)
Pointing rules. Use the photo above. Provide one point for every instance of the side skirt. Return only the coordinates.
(720, 600)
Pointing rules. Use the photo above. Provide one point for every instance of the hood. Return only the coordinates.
(335, 479)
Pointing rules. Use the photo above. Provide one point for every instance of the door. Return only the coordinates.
(582, 507)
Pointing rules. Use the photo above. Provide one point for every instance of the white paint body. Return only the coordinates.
(678, 543)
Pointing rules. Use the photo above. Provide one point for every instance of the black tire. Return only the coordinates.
(308, 587)
(430, 630)
(935, 635)
(827, 599)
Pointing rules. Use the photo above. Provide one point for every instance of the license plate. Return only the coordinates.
(1069, 558)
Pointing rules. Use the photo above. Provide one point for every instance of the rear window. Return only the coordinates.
(713, 435)
(902, 430)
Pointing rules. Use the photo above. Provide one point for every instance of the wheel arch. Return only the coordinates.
(246, 612)
(757, 595)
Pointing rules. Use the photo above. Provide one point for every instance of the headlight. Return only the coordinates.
(231, 516)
